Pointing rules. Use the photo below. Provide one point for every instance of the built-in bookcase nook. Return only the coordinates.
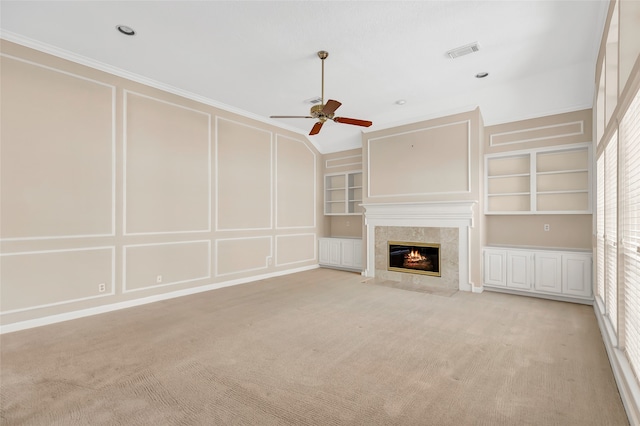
(554, 180)
(343, 193)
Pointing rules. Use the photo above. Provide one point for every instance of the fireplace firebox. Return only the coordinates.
(414, 258)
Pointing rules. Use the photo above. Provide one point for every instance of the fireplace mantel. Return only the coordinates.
(439, 214)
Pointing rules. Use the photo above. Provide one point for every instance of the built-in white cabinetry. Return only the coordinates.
(342, 253)
(552, 180)
(576, 274)
(343, 193)
(519, 266)
(495, 267)
(565, 274)
(548, 272)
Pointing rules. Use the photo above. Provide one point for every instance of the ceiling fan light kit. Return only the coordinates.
(323, 112)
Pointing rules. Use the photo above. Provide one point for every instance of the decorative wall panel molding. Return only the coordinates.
(39, 279)
(56, 127)
(167, 167)
(351, 160)
(540, 133)
(295, 184)
(244, 176)
(147, 266)
(295, 248)
(428, 161)
(244, 254)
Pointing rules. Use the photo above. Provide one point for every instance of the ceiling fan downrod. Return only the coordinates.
(322, 54)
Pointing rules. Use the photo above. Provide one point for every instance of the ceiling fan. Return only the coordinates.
(323, 112)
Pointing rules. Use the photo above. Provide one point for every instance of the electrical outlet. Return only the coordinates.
(348, 224)
(159, 279)
(102, 287)
(269, 260)
(546, 227)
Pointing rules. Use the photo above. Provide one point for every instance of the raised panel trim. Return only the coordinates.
(327, 163)
(124, 165)
(315, 186)
(467, 191)
(315, 249)
(124, 265)
(530, 129)
(113, 156)
(217, 225)
(101, 295)
(266, 261)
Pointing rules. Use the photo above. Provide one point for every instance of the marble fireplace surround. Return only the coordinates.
(437, 220)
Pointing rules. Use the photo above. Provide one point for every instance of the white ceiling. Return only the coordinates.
(259, 58)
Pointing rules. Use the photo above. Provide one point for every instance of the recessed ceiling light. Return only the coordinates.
(401, 102)
(482, 74)
(125, 30)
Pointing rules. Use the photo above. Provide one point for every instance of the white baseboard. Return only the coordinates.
(627, 384)
(556, 297)
(52, 319)
(477, 290)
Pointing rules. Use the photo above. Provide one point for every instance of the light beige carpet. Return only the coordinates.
(315, 348)
(411, 286)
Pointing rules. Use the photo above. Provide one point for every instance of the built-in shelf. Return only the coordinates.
(551, 180)
(343, 193)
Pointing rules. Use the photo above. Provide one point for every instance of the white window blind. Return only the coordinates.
(630, 231)
(600, 275)
(610, 229)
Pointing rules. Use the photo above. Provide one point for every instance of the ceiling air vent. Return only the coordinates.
(313, 101)
(463, 50)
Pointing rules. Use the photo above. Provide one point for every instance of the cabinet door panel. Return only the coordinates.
(334, 252)
(347, 255)
(518, 273)
(576, 275)
(357, 253)
(495, 267)
(548, 277)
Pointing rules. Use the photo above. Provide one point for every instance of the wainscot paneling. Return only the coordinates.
(38, 279)
(295, 248)
(156, 265)
(243, 176)
(244, 254)
(295, 184)
(167, 167)
(56, 127)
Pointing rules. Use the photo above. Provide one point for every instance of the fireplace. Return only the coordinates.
(448, 223)
(414, 258)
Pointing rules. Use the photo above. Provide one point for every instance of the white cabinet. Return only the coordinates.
(342, 253)
(329, 251)
(343, 193)
(576, 274)
(548, 275)
(509, 269)
(566, 274)
(519, 270)
(495, 267)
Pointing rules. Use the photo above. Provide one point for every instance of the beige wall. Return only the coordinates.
(110, 183)
(566, 231)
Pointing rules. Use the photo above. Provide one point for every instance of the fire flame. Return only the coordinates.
(414, 256)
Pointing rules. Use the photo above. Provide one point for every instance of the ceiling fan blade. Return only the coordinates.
(354, 121)
(290, 116)
(316, 128)
(331, 106)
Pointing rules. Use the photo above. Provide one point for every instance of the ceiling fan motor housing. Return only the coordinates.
(316, 112)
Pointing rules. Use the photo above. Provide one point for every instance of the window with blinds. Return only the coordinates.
(610, 229)
(600, 276)
(630, 231)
